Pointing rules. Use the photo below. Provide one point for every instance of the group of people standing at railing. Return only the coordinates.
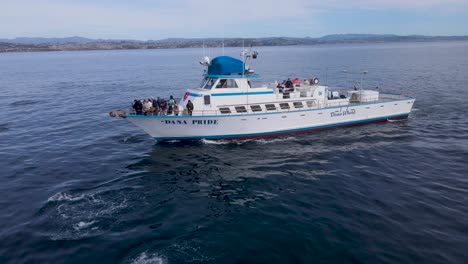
(288, 85)
(159, 106)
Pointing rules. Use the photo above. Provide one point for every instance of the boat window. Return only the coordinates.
(298, 104)
(207, 99)
(310, 103)
(284, 105)
(231, 83)
(222, 83)
(225, 110)
(255, 108)
(254, 83)
(207, 83)
(270, 107)
(203, 83)
(227, 83)
(240, 109)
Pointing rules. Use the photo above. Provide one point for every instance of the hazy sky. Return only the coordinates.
(152, 19)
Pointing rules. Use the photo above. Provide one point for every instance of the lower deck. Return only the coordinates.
(273, 123)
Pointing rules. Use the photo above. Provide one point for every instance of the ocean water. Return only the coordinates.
(80, 187)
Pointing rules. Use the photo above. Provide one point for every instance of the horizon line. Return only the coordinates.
(296, 37)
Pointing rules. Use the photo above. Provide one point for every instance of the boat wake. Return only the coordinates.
(245, 141)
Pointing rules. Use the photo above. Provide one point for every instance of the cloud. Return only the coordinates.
(390, 4)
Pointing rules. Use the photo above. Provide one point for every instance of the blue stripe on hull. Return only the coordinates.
(286, 132)
(239, 94)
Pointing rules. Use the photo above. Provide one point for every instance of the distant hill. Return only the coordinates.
(80, 43)
(341, 37)
(27, 40)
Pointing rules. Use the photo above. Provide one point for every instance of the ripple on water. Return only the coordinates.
(24, 103)
(4, 127)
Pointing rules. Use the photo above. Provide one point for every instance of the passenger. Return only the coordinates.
(189, 107)
(162, 106)
(156, 105)
(296, 82)
(176, 110)
(138, 107)
(150, 106)
(134, 105)
(280, 88)
(288, 84)
(307, 82)
(146, 107)
(172, 102)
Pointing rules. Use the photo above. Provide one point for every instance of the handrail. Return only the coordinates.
(382, 98)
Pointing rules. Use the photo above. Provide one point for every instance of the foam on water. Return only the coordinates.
(148, 258)
(63, 196)
(82, 215)
(82, 225)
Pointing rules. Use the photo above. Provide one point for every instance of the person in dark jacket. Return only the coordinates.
(134, 105)
(189, 107)
(289, 84)
(138, 106)
(163, 106)
(155, 105)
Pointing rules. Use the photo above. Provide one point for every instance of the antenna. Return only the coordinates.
(362, 76)
(346, 73)
(203, 45)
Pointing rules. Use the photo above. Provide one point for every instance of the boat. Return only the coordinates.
(226, 106)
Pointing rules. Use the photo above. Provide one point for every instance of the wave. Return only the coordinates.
(24, 103)
(4, 127)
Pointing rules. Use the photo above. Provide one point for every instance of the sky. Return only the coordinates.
(155, 19)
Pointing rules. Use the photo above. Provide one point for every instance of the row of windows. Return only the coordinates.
(208, 83)
(268, 107)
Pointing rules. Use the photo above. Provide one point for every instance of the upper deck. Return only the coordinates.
(226, 90)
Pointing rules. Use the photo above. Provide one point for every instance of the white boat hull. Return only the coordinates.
(269, 124)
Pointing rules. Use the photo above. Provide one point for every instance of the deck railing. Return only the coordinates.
(313, 104)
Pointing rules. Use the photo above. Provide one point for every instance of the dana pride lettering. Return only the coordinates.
(343, 113)
(204, 122)
(193, 122)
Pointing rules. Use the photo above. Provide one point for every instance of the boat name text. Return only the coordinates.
(343, 113)
(192, 122)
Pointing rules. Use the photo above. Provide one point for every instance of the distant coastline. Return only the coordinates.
(79, 43)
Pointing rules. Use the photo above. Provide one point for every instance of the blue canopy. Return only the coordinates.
(225, 65)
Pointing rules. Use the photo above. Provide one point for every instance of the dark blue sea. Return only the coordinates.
(78, 186)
